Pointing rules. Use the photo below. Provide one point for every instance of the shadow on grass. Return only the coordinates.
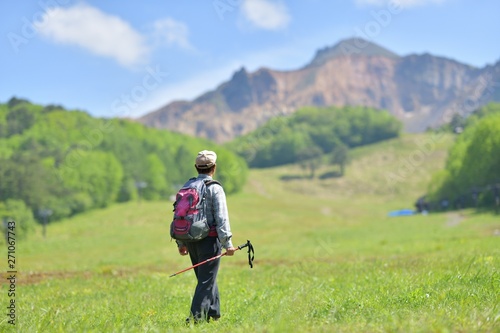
(330, 174)
(326, 175)
(294, 177)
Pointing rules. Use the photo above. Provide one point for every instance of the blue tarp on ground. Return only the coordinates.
(402, 212)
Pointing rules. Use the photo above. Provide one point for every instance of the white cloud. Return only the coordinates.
(98, 32)
(172, 32)
(266, 14)
(402, 3)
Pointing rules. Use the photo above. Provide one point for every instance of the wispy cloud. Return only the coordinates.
(91, 29)
(402, 3)
(266, 14)
(171, 32)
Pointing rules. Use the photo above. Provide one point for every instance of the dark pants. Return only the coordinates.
(206, 296)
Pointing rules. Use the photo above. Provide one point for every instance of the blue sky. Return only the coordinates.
(127, 58)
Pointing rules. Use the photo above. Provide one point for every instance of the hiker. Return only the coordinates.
(205, 304)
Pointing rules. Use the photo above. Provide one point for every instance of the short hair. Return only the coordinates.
(205, 171)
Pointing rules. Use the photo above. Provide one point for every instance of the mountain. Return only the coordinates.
(350, 46)
(421, 90)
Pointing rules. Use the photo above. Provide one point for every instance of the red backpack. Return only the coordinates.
(190, 218)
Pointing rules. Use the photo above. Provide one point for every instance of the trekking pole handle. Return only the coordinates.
(236, 249)
(250, 252)
(242, 246)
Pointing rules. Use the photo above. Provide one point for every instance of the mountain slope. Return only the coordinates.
(421, 90)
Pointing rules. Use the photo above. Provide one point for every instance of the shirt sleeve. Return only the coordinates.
(221, 216)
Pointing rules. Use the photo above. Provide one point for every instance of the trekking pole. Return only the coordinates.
(250, 258)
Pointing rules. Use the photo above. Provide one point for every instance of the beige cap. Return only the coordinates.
(205, 159)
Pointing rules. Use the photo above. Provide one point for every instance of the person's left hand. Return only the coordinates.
(183, 250)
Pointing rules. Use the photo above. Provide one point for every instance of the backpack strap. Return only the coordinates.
(209, 182)
(212, 181)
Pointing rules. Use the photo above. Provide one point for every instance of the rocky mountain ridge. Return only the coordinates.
(421, 90)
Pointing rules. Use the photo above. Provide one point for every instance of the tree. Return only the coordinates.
(473, 164)
(18, 120)
(15, 101)
(481, 163)
(184, 160)
(17, 211)
(24, 178)
(155, 179)
(457, 122)
(340, 157)
(232, 170)
(310, 158)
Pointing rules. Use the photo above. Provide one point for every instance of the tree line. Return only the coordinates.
(67, 162)
(471, 177)
(311, 132)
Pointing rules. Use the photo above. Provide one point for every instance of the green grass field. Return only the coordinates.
(328, 258)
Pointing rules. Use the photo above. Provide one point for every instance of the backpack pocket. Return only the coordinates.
(186, 230)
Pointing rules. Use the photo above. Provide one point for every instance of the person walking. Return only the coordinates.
(205, 305)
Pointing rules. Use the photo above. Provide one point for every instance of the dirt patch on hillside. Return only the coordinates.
(259, 188)
(454, 219)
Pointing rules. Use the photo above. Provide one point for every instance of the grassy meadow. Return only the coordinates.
(327, 258)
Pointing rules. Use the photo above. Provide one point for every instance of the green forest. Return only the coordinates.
(311, 132)
(67, 162)
(472, 173)
(57, 163)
